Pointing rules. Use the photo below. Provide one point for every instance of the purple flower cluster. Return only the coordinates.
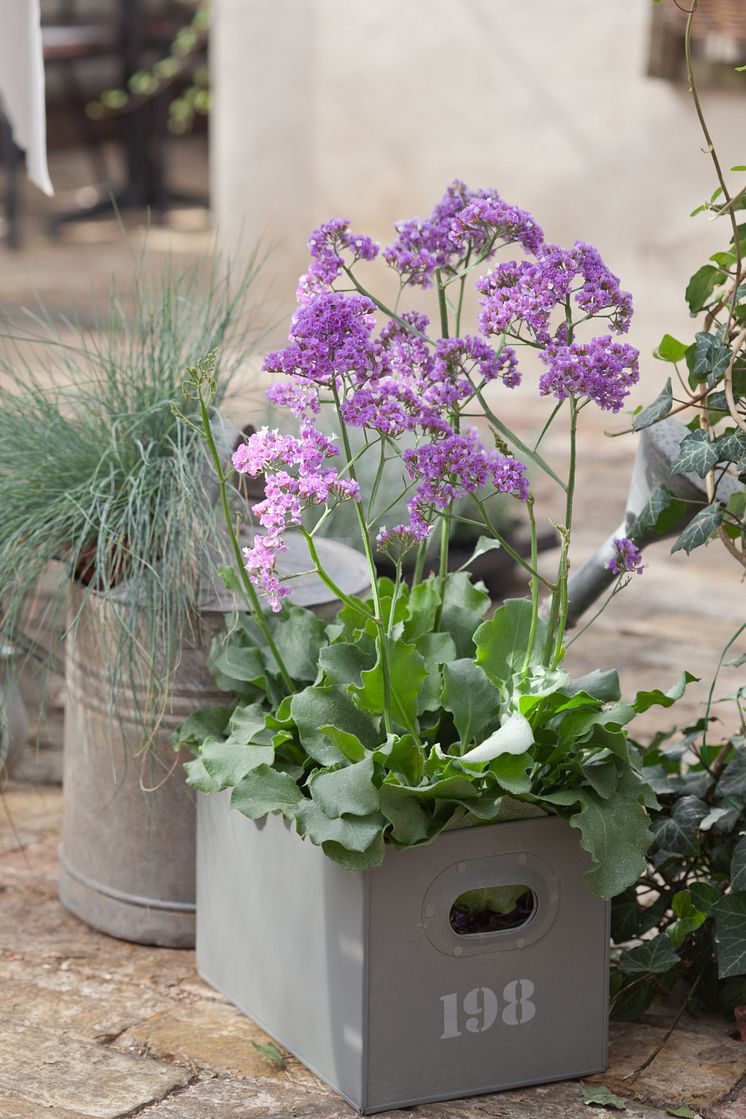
(400, 381)
(286, 495)
(628, 557)
(601, 370)
(464, 221)
(327, 245)
(446, 469)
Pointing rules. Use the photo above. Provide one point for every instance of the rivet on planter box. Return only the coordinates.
(361, 976)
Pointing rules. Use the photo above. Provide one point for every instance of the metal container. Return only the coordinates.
(362, 976)
(127, 860)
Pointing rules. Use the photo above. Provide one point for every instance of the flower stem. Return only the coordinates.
(534, 589)
(558, 615)
(518, 443)
(250, 594)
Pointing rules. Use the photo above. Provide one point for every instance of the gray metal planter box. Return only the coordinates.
(361, 976)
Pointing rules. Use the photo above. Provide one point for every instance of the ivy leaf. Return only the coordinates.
(598, 1095)
(731, 447)
(659, 514)
(632, 1001)
(473, 701)
(738, 866)
(325, 705)
(711, 358)
(407, 675)
(677, 833)
(689, 918)
(652, 957)
(464, 606)
(700, 529)
(697, 455)
(732, 783)
(704, 896)
(503, 640)
(660, 407)
(730, 934)
(701, 286)
(266, 790)
(346, 791)
(670, 349)
(625, 915)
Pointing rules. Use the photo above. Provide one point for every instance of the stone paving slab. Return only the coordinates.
(696, 1067)
(52, 1069)
(263, 1099)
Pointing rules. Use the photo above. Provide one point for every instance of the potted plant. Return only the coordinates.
(93, 466)
(467, 807)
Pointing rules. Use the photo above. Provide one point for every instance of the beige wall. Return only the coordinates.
(367, 109)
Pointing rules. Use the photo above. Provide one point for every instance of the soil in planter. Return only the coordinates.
(492, 910)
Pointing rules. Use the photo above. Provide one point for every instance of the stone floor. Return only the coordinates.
(95, 1028)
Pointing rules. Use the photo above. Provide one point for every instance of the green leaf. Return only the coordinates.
(731, 447)
(710, 359)
(402, 754)
(697, 455)
(625, 916)
(704, 896)
(371, 857)
(701, 286)
(732, 783)
(299, 636)
(325, 705)
(473, 701)
(245, 721)
(511, 772)
(600, 684)
(237, 664)
(659, 514)
(230, 578)
(227, 762)
(407, 675)
(503, 640)
(436, 649)
(643, 701)
(602, 776)
(652, 957)
(422, 609)
(464, 606)
(484, 544)
(682, 1112)
(670, 349)
(630, 1002)
(347, 743)
(346, 791)
(660, 407)
(598, 1095)
(272, 1053)
(410, 823)
(614, 832)
(730, 934)
(265, 790)
(738, 866)
(677, 833)
(208, 722)
(354, 834)
(343, 662)
(700, 529)
(198, 778)
(689, 918)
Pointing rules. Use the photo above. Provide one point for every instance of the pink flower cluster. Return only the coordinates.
(286, 495)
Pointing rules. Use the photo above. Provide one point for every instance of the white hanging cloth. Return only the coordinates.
(22, 84)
